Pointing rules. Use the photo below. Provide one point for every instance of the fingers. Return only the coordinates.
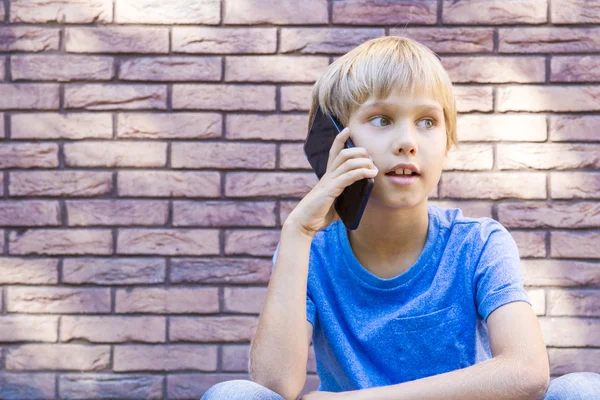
(338, 145)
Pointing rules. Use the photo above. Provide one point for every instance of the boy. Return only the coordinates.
(419, 302)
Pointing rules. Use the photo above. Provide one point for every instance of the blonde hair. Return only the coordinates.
(377, 67)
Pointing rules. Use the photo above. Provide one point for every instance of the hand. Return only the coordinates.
(344, 167)
(321, 396)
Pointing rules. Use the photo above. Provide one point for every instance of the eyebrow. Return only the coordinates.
(378, 104)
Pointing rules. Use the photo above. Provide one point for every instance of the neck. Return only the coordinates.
(388, 241)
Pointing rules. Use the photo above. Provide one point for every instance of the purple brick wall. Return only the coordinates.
(150, 151)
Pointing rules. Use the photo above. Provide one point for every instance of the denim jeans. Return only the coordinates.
(573, 386)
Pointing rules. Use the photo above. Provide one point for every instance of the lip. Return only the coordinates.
(403, 179)
(404, 166)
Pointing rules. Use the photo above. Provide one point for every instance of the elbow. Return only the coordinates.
(287, 390)
(539, 387)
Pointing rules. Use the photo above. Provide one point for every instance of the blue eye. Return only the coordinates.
(431, 122)
(382, 118)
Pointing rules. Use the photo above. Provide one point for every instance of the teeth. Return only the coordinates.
(401, 171)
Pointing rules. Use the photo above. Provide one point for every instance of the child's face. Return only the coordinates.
(408, 130)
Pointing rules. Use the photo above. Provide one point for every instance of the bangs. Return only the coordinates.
(379, 67)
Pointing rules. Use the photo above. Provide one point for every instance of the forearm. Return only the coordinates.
(495, 379)
(279, 349)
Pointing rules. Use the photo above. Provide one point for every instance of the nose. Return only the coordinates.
(403, 140)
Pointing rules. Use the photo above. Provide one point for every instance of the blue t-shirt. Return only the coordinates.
(429, 320)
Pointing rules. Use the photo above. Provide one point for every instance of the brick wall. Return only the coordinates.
(152, 149)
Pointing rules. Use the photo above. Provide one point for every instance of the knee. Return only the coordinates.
(576, 386)
(239, 390)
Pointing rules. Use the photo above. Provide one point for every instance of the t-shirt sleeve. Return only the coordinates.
(498, 279)
(311, 310)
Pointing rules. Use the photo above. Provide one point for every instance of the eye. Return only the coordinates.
(381, 118)
(430, 122)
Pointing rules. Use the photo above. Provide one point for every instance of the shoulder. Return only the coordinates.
(474, 230)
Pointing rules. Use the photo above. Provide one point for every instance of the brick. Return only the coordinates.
(187, 386)
(20, 328)
(223, 213)
(171, 69)
(27, 386)
(169, 183)
(451, 40)
(29, 39)
(115, 154)
(550, 215)
(244, 300)
(61, 11)
(325, 40)
(287, 206)
(28, 155)
(72, 357)
(112, 329)
(495, 69)
(548, 40)
(235, 358)
(29, 213)
(222, 155)
(60, 241)
(575, 69)
(3, 62)
(114, 271)
(221, 40)
(531, 244)
(274, 184)
(165, 358)
(2, 11)
(197, 242)
(565, 361)
(582, 303)
(31, 271)
(277, 12)
(493, 185)
(102, 212)
(494, 12)
(538, 300)
(212, 329)
(29, 96)
(570, 332)
(561, 273)
(206, 12)
(574, 185)
(117, 39)
(548, 156)
(61, 126)
(224, 97)
(56, 300)
(292, 157)
(60, 183)
(473, 98)
(574, 12)
(564, 128)
(111, 386)
(2, 133)
(168, 301)
(220, 270)
(501, 127)
(574, 244)
(117, 212)
(62, 68)
(255, 242)
(279, 68)
(169, 126)
(280, 127)
(384, 12)
(470, 157)
(116, 97)
(295, 98)
(472, 209)
(535, 98)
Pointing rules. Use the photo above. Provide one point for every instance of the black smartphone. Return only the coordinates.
(351, 204)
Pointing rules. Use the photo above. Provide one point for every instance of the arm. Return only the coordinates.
(519, 368)
(279, 349)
